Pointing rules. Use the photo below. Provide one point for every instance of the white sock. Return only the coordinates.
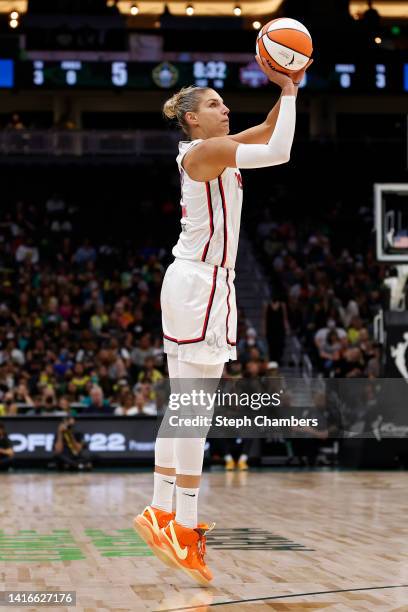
(243, 457)
(228, 458)
(163, 491)
(186, 507)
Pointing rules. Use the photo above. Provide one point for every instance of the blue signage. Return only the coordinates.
(6, 73)
(405, 77)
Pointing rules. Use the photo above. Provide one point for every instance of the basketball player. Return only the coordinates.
(198, 296)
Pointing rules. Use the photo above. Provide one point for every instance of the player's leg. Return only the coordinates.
(164, 454)
(183, 539)
(160, 511)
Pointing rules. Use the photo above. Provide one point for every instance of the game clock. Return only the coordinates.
(122, 75)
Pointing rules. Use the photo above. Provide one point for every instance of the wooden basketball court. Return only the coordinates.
(284, 540)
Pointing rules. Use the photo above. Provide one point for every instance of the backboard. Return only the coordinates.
(391, 222)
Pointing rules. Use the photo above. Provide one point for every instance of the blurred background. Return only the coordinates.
(90, 211)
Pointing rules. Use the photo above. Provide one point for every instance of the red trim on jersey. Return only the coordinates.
(210, 215)
(224, 211)
(207, 315)
(228, 313)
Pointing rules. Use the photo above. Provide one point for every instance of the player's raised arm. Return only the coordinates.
(208, 159)
(261, 133)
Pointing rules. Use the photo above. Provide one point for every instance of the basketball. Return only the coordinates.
(285, 44)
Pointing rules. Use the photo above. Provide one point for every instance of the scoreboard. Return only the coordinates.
(122, 75)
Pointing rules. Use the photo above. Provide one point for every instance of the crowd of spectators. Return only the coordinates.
(80, 318)
(75, 328)
(325, 295)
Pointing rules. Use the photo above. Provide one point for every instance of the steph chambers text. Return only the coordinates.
(238, 422)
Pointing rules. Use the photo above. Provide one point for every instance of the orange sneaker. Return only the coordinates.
(148, 525)
(230, 465)
(243, 465)
(186, 548)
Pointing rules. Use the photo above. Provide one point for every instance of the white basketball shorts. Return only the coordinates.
(199, 312)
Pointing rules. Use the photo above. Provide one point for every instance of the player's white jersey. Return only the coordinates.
(211, 215)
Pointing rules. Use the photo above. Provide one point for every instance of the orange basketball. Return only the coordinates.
(285, 44)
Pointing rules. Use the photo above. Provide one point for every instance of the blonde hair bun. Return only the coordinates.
(185, 100)
(169, 108)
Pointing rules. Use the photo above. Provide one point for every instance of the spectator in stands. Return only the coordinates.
(149, 373)
(96, 404)
(135, 404)
(55, 204)
(143, 350)
(8, 405)
(80, 379)
(63, 407)
(85, 253)
(6, 449)
(351, 364)
(330, 353)
(273, 381)
(22, 395)
(71, 393)
(69, 448)
(249, 342)
(63, 226)
(13, 354)
(348, 309)
(276, 328)
(353, 331)
(27, 252)
(50, 405)
(149, 397)
(322, 333)
(104, 381)
(99, 320)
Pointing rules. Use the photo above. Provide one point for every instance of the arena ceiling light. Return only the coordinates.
(261, 9)
(208, 8)
(256, 8)
(134, 9)
(190, 10)
(14, 19)
(237, 11)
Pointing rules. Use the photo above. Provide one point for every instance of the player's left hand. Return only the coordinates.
(297, 77)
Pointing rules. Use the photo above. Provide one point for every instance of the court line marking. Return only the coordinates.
(274, 597)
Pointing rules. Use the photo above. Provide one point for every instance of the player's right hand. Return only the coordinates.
(279, 78)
